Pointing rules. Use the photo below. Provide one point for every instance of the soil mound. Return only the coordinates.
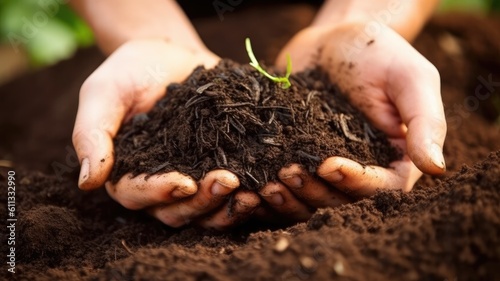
(233, 117)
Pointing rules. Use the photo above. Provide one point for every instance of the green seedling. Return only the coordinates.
(283, 81)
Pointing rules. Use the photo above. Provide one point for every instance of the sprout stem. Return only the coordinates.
(283, 81)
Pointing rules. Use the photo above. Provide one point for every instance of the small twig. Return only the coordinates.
(237, 125)
(266, 99)
(227, 136)
(200, 132)
(327, 107)
(164, 137)
(272, 118)
(239, 72)
(126, 135)
(249, 91)
(216, 137)
(126, 247)
(368, 132)
(345, 128)
(270, 141)
(251, 118)
(222, 155)
(310, 96)
(252, 177)
(256, 88)
(239, 104)
(309, 156)
(273, 107)
(202, 89)
(158, 168)
(195, 100)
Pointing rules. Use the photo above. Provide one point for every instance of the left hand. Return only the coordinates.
(129, 82)
(396, 88)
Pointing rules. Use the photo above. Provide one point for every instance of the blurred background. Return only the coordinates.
(38, 33)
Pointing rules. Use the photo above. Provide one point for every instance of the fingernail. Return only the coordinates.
(181, 192)
(437, 156)
(84, 172)
(334, 177)
(277, 199)
(218, 189)
(294, 182)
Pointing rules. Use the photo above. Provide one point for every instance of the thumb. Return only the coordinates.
(415, 89)
(96, 124)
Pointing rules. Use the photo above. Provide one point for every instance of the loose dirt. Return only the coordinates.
(447, 228)
(232, 117)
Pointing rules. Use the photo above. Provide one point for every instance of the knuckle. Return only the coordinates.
(130, 204)
(431, 70)
(219, 223)
(90, 84)
(223, 225)
(201, 202)
(77, 136)
(175, 221)
(441, 123)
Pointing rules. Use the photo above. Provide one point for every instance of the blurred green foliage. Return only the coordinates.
(46, 30)
(469, 5)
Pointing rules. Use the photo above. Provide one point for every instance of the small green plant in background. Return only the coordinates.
(283, 81)
(483, 6)
(46, 31)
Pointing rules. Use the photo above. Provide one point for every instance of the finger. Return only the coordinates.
(414, 86)
(96, 124)
(212, 192)
(310, 190)
(282, 200)
(245, 203)
(361, 181)
(148, 190)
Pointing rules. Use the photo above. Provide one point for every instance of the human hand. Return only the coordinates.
(399, 92)
(129, 82)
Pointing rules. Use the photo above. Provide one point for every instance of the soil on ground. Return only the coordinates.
(447, 228)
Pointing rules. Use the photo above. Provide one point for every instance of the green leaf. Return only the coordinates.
(54, 42)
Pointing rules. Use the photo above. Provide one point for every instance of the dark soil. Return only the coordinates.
(233, 117)
(447, 228)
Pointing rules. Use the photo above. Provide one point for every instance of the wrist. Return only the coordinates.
(166, 47)
(405, 17)
(116, 22)
(108, 43)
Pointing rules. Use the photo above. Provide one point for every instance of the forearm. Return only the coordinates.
(115, 22)
(406, 17)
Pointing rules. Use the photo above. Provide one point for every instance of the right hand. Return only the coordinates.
(396, 88)
(129, 82)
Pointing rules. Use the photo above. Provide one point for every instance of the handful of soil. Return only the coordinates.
(232, 117)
